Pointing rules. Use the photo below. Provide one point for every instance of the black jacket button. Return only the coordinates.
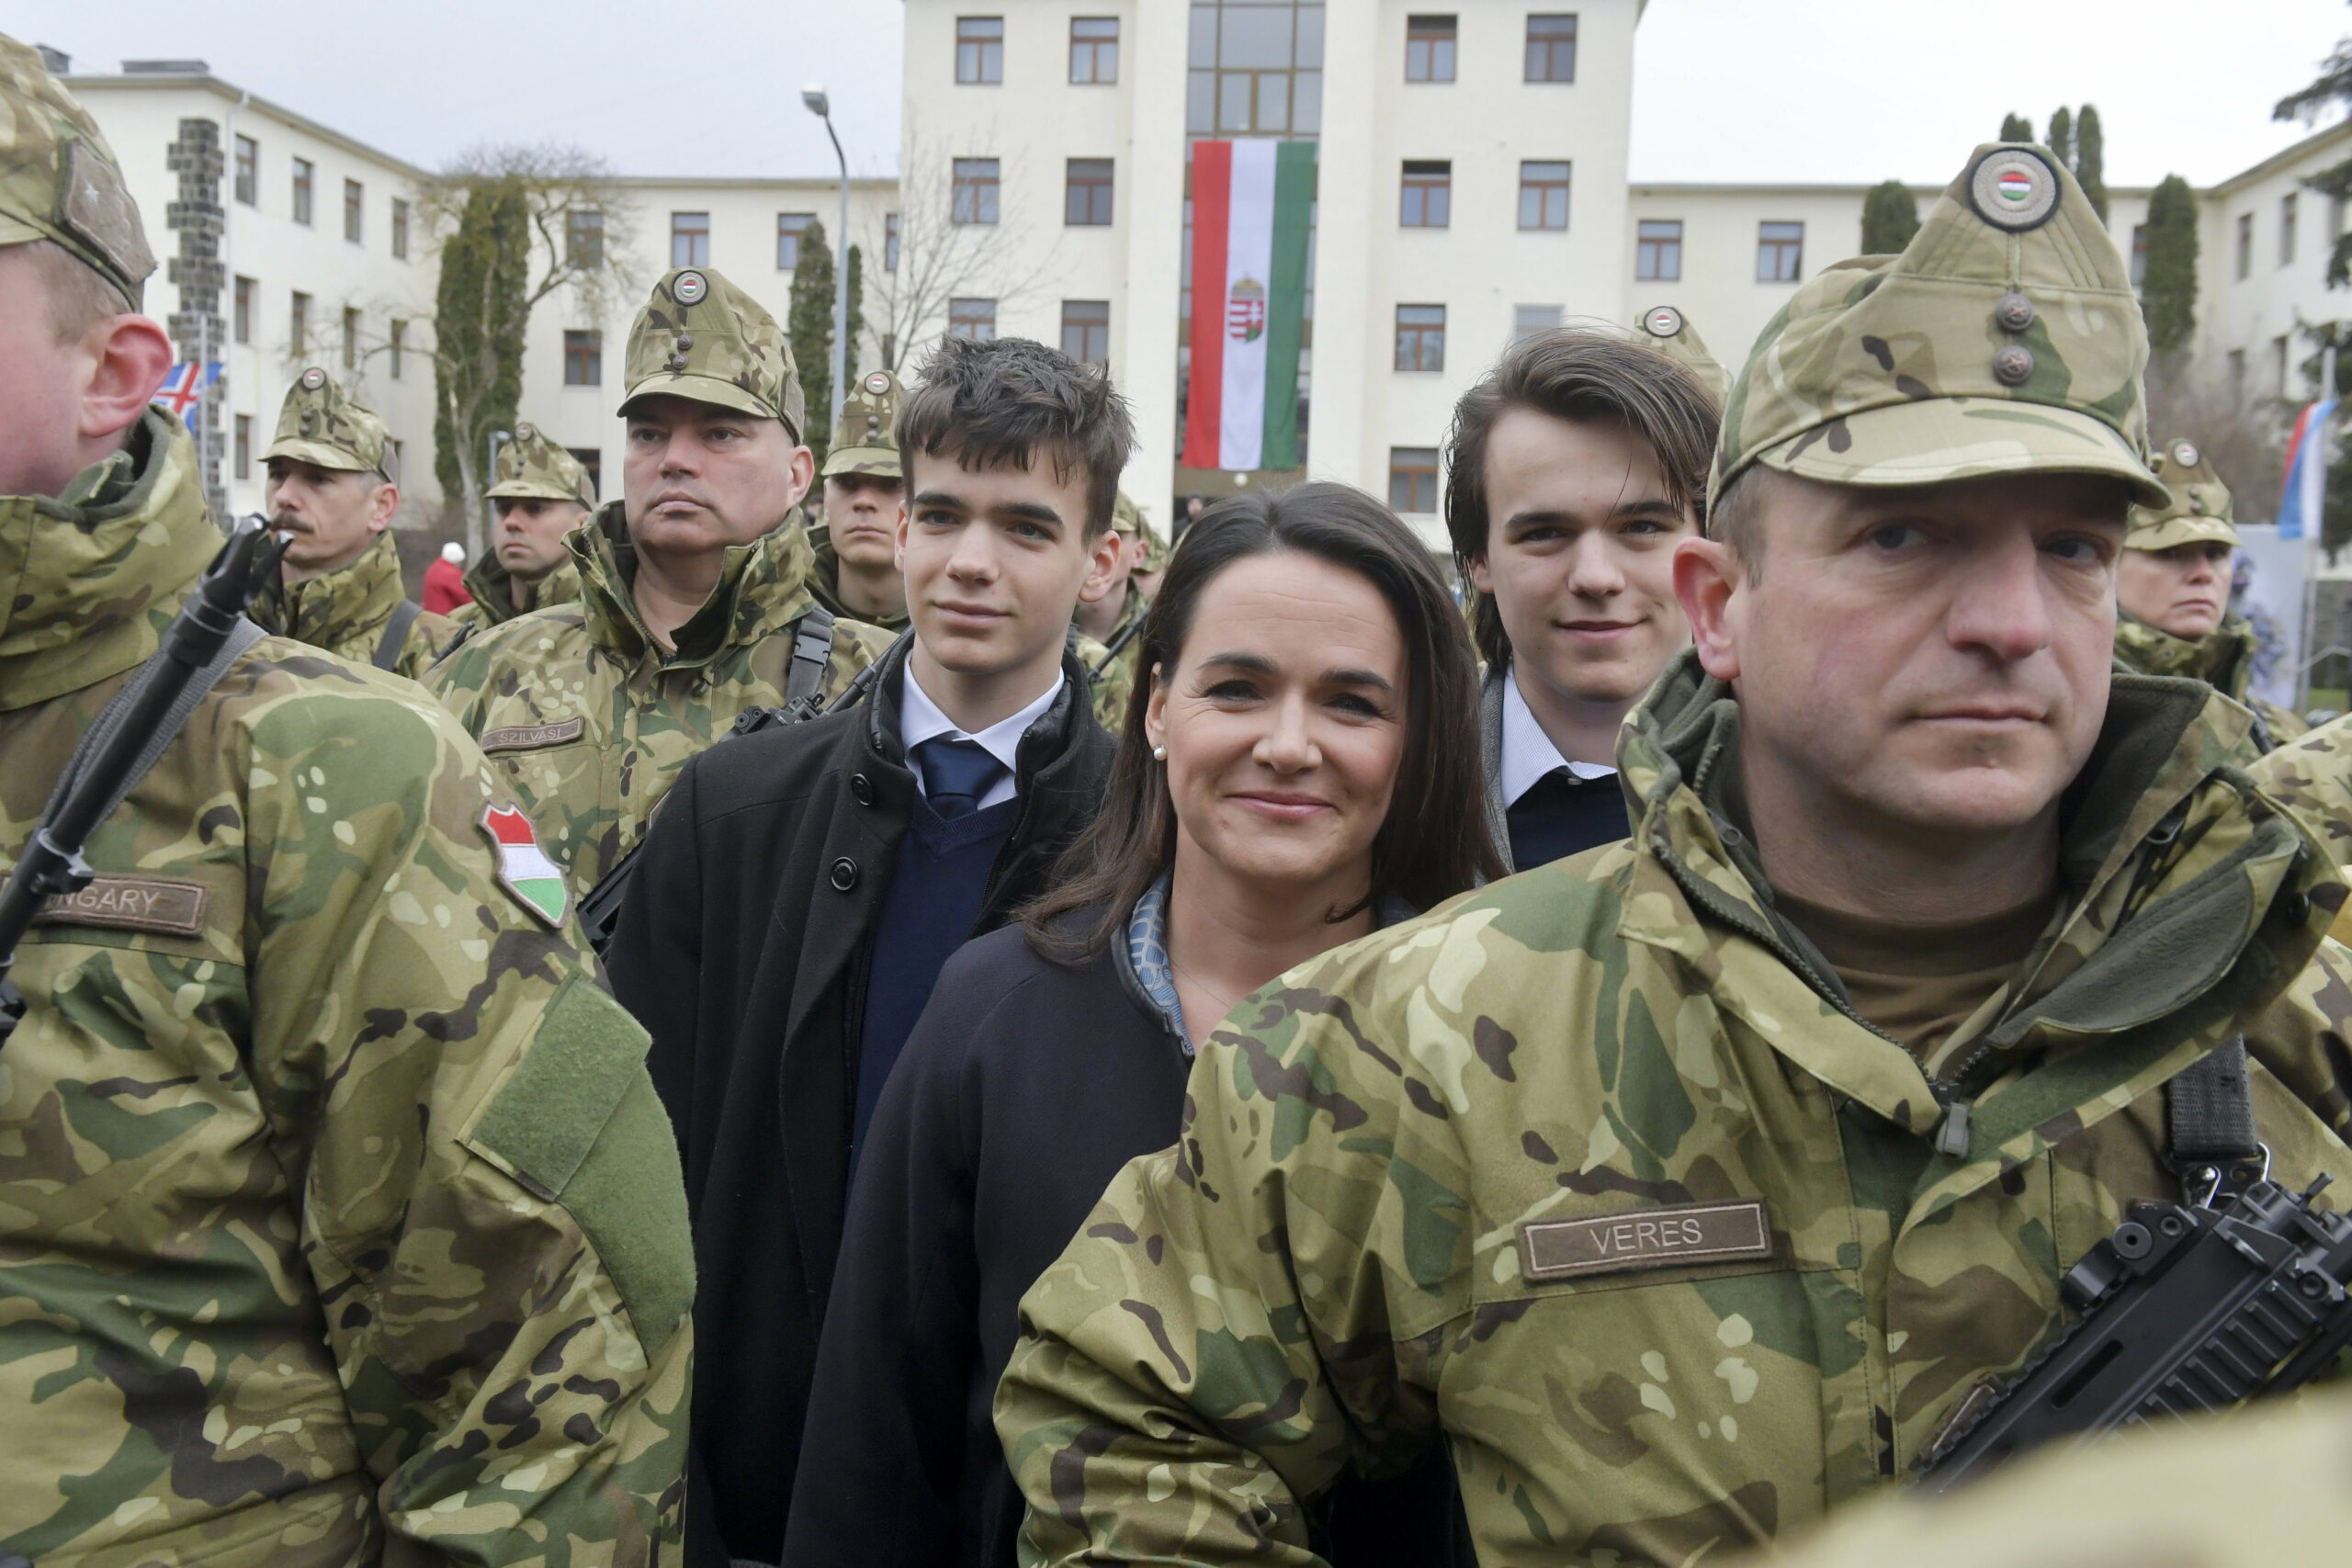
(861, 788)
(844, 874)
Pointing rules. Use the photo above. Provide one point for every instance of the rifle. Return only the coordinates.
(2184, 1309)
(203, 641)
(1111, 651)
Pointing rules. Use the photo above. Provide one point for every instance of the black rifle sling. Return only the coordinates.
(387, 650)
(110, 717)
(2210, 1138)
(812, 649)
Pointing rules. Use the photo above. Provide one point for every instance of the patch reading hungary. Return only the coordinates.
(1668, 1237)
(525, 870)
(130, 904)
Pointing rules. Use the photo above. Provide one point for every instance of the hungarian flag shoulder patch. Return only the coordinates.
(523, 868)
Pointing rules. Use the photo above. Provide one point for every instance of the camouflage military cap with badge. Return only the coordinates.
(61, 182)
(532, 468)
(319, 424)
(702, 338)
(865, 438)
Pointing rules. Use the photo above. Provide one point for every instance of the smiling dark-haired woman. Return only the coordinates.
(1302, 769)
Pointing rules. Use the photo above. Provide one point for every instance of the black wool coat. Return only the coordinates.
(1025, 1086)
(743, 947)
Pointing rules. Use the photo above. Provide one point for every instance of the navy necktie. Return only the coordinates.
(957, 773)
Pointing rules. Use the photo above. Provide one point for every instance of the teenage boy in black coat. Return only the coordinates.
(803, 885)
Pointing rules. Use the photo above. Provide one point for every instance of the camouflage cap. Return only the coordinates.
(701, 337)
(865, 438)
(532, 468)
(1666, 330)
(2197, 508)
(2005, 339)
(1125, 516)
(318, 425)
(58, 179)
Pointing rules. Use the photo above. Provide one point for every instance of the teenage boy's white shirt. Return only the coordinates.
(921, 720)
(1528, 752)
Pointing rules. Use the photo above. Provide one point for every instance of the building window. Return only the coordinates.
(396, 345)
(2245, 245)
(354, 209)
(1526, 321)
(690, 239)
(1426, 198)
(298, 325)
(1429, 49)
(400, 228)
(2139, 254)
(1412, 479)
(245, 451)
(248, 174)
(2237, 374)
(1543, 196)
(891, 243)
(1094, 50)
(1086, 199)
(974, 319)
(350, 338)
(979, 50)
(1550, 49)
(583, 358)
(593, 459)
(1658, 250)
(2287, 230)
(1780, 252)
(2334, 219)
(1086, 331)
(302, 172)
(2278, 362)
(891, 351)
(789, 227)
(583, 238)
(1256, 67)
(243, 317)
(1421, 337)
(975, 191)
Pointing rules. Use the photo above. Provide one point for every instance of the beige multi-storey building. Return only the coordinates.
(1471, 186)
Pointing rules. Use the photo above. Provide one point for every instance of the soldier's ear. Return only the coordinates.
(1706, 577)
(127, 359)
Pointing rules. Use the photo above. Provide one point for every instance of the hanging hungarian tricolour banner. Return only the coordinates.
(1249, 205)
(2299, 500)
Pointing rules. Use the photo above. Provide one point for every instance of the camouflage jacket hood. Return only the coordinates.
(88, 579)
(492, 587)
(825, 585)
(2223, 658)
(2181, 889)
(762, 588)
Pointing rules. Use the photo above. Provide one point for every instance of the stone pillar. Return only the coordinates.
(196, 329)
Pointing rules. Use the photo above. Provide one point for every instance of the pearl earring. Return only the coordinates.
(1160, 754)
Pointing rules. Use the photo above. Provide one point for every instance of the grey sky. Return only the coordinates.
(1732, 90)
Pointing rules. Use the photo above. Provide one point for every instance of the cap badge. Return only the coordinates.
(314, 379)
(2197, 504)
(689, 288)
(2184, 453)
(2014, 313)
(674, 364)
(525, 431)
(2013, 189)
(685, 342)
(1663, 322)
(878, 383)
(2013, 366)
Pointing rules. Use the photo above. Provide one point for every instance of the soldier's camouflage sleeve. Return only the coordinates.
(491, 1207)
(1216, 1344)
(1114, 690)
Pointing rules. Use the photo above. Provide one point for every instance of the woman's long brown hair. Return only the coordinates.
(1433, 844)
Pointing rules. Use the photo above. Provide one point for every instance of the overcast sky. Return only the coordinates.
(1743, 90)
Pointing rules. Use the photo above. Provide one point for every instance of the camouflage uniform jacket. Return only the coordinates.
(587, 719)
(1626, 1052)
(2222, 659)
(1120, 677)
(345, 612)
(342, 1223)
(493, 586)
(2311, 776)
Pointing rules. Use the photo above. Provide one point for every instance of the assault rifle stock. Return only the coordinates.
(129, 737)
(2185, 1309)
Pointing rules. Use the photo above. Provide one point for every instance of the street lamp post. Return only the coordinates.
(813, 96)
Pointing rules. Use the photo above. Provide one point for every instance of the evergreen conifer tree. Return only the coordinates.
(2169, 287)
(2061, 139)
(1890, 217)
(2090, 159)
(811, 328)
(2015, 127)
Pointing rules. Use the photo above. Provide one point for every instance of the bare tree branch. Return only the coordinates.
(941, 260)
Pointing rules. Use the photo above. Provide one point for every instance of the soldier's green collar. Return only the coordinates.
(2223, 658)
(330, 609)
(492, 587)
(762, 588)
(89, 579)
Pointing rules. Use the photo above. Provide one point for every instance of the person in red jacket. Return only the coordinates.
(444, 581)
